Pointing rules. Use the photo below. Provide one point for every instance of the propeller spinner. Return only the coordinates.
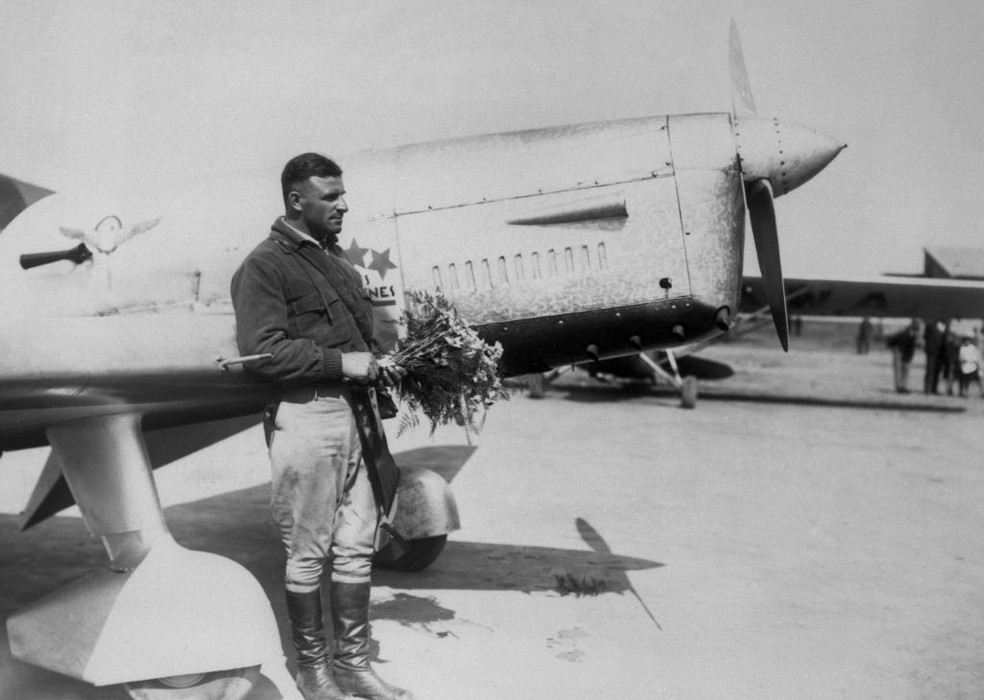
(775, 158)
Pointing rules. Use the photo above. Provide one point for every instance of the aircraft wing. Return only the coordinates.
(164, 446)
(874, 296)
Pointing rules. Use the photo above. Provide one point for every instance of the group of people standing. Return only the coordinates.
(951, 357)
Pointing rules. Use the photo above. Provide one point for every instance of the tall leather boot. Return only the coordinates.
(350, 621)
(314, 676)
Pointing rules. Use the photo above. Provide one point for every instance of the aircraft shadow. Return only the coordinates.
(885, 404)
(236, 525)
(608, 392)
(483, 566)
(620, 390)
(704, 368)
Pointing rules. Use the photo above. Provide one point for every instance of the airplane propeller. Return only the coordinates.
(758, 195)
(762, 213)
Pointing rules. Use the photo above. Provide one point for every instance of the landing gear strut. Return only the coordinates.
(687, 386)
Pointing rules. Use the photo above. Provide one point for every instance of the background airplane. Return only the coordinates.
(895, 296)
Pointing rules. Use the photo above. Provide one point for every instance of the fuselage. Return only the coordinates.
(566, 244)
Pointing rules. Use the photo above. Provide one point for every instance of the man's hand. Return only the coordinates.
(359, 367)
(390, 374)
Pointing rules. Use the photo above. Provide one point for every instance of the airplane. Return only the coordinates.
(887, 296)
(567, 244)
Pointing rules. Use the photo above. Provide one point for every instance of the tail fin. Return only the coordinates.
(16, 196)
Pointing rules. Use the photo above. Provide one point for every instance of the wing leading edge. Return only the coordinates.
(876, 296)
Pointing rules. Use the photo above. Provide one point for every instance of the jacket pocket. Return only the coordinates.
(306, 313)
(307, 304)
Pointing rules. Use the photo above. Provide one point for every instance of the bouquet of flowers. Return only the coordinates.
(451, 371)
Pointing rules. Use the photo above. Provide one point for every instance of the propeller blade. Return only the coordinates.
(762, 213)
(742, 101)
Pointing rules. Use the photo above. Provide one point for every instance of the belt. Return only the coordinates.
(304, 394)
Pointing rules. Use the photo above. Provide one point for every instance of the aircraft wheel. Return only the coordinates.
(536, 385)
(688, 393)
(418, 556)
(215, 685)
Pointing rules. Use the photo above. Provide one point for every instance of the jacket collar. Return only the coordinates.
(298, 241)
(295, 238)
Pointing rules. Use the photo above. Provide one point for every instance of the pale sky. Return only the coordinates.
(164, 90)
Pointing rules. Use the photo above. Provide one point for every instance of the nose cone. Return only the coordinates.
(787, 154)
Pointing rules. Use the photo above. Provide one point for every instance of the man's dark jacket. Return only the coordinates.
(905, 342)
(303, 305)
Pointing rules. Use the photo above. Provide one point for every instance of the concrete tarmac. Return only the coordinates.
(823, 541)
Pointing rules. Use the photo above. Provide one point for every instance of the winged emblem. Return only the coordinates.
(109, 234)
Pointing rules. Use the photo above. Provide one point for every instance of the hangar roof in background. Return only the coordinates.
(956, 263)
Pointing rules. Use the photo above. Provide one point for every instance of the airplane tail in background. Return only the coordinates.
(16, 196)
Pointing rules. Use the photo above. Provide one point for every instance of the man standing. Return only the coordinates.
(933, 346)
(903, 345)
(298, 300)
(864, 336)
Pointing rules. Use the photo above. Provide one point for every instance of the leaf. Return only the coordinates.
(451, 371)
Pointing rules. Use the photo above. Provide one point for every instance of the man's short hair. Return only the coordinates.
(300, 168)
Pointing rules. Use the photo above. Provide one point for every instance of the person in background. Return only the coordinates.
(797, 325)
(903, 345)
(933, 346)
(949, 349)
(864, 336)
(970, 365)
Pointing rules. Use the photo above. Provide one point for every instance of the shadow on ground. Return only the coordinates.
(595, 391)
(236, 525)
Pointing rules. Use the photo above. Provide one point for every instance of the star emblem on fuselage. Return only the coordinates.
(356, 254)
(381, 262)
